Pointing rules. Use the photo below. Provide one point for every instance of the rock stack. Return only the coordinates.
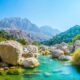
(11, 52)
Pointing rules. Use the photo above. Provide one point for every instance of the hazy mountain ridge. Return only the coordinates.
(49, 31)
(32, 30)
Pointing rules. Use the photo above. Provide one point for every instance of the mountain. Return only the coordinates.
(30, 36)
(31, 30)
(66, 36)
(49, 31)
(23, 24)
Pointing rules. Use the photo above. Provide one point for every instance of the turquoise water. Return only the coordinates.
(48, 70)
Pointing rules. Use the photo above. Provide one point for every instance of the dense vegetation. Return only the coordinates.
(66, 36)
(6, 36)
(77, 37)
(76, 57)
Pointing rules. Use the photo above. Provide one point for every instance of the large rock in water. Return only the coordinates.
(63, 46)
(65, 58)
(30, 62)
(11, 52)
(56, 53)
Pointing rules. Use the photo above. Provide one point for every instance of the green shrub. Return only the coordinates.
(6, 36)
(22, 41)
(35, 43)
(76, 57)
(2, 39)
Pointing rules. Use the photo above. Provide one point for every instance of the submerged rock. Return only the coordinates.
(66, 58)
(65, 73)
(30, 62)
(11, 52)
(57, 71)
(47, 74)
(2, 64)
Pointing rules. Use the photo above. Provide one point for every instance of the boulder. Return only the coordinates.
(30, 51)
(30, 62)
(43, 47)
(64, 57)
(44, 50)
(63, 46)
(56, 53)
(77, 44)
(11, 52)
(71, 48)
(52, 48)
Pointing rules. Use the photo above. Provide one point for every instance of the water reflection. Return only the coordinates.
(77, 68)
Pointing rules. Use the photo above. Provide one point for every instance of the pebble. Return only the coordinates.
(65, 73)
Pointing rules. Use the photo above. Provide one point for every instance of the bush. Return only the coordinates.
(22, 41)
(2, 39)
(6, 36)
(77, 37)
(36, 43)
(76, 57)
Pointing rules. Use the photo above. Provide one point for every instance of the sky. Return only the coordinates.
(59, 14)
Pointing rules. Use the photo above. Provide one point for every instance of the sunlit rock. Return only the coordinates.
(30, 62)
(30, 51)
(10, 52)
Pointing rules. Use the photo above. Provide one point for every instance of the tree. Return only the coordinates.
(77, 37)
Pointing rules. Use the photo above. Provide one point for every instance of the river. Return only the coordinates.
(49, 69)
